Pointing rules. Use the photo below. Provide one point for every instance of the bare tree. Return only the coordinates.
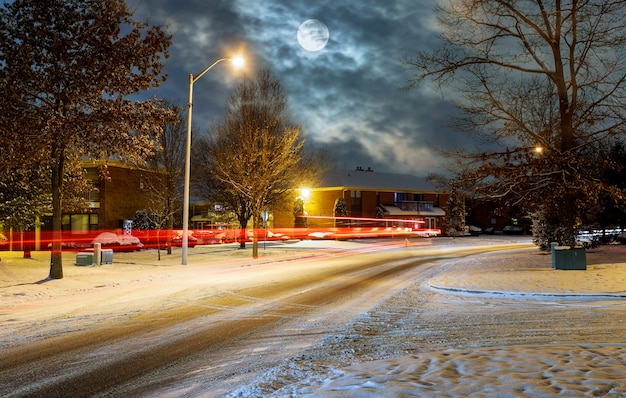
(542, 88)
(67, 69)
(255, 155)
(217, 191)
(163, 174)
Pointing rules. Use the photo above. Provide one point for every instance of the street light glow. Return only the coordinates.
(237, 62)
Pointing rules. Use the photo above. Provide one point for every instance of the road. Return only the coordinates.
(209, 333)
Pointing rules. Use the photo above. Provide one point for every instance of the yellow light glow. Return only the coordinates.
(538, 149)
(305, 192)
(238, 62)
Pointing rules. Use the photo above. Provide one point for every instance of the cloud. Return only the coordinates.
(347, 97)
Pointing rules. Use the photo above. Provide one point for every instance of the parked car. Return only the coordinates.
(110, 240)
(177, 239)
(474, 230)
(265, 235)
(513, 230)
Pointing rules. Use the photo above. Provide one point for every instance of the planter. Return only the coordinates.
(569, 258)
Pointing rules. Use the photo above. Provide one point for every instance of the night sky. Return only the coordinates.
(347, 97)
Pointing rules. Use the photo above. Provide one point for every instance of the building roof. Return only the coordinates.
(367, 179)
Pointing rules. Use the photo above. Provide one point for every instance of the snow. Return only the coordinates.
(511, 370)
(489, 372)
(527, 368)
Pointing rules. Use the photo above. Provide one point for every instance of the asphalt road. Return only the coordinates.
(199, 339)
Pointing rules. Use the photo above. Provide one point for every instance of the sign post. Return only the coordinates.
(264, 216)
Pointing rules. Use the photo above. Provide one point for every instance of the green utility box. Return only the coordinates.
(569, 258)
(84, 258)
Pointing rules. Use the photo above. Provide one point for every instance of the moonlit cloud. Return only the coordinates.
(347, 96)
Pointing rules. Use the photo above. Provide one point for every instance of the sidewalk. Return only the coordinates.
(529, 272)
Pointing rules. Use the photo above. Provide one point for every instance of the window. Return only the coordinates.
(65, 222)
(400, 197)
(80, 223)
(93, 221)
(355, 203)
(355, 198)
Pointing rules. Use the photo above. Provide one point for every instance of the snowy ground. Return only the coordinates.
(515, 328)
(490, 325)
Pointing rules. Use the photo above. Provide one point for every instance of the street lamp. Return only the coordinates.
(238, 62)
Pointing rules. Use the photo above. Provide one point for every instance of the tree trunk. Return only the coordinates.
(567, 211)
(170, 228)
(255, 237)
(158, 232)
(26, 246)
(242, 233)
(56, 253)
(242, 237)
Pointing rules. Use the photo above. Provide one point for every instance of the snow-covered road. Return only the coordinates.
(354, 319)
(204, 328)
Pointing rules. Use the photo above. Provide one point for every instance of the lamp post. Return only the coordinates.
(237, 61)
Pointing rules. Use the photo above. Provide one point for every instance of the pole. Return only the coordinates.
(185, 242)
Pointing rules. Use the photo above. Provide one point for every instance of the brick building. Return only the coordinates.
(371, 195)
(121, 190)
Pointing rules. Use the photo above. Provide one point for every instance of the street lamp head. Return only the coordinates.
(238, 61)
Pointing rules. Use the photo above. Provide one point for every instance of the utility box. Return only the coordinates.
(106, 256)
(84, 258)
(569, 258)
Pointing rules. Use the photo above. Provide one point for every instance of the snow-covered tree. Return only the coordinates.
(143, 220)
(299, 213)
(543, 235)
(24, 198)
(457, 213)
(340, 210)
(68, 69)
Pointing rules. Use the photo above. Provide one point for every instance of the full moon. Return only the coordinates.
(313, 35)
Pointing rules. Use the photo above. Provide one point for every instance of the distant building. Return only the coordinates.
(371, 199)
(119, 194)
(371, 195)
